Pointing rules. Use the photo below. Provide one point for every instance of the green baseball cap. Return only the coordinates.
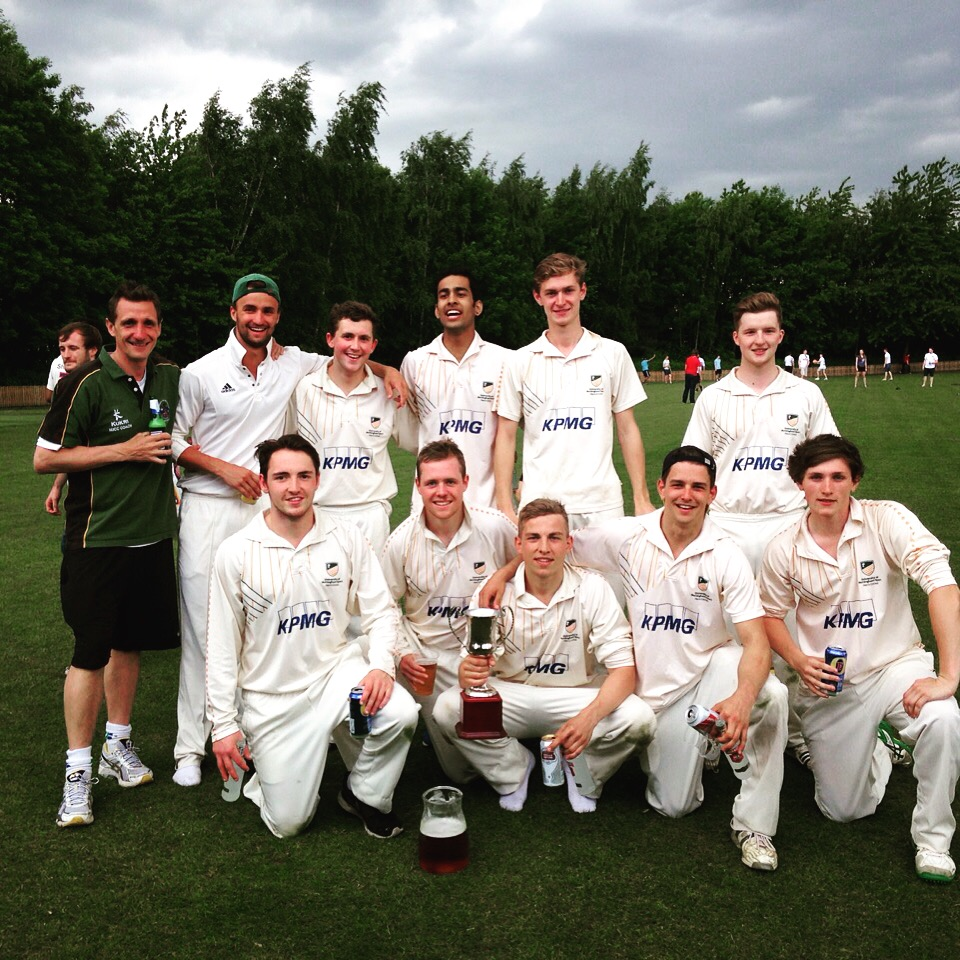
(255, 283)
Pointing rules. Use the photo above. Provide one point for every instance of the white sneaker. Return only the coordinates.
(118, 759)
(77, 807)
(938, 867)
(756, 849)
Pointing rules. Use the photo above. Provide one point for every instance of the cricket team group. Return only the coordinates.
(292, 592)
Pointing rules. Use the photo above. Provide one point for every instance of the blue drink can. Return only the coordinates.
(836, 657)
(359, 721)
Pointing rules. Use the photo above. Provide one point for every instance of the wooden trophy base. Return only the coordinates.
(481, 717)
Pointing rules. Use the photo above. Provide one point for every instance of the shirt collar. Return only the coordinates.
(238, 351)
(853, 528)
(566, 590)
(462, 534)
(705, 541)
(587, 343)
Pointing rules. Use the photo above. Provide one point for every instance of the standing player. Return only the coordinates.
(567, 624)
(844, 569)
(803, 362)
(860, 369)
(645, 368)
(80, 343)
(568, 388)
(887, 372)
(930, 361)
(344, 411)
(281, 595)
(717, 367)
(452, 382)
(788, 363)
(691, 377)
(435, 560)
(683, 576)
(821, 367)
(230, 400)
(749, 422)
(667, 372)
(117, 580)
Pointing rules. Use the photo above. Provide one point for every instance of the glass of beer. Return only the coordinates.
(444, 843)
(429, 664)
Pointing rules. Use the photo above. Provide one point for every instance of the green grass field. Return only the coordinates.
(178, 873)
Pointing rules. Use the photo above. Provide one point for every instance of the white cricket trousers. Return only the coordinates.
(674, 759)
(289, 736)
(530, 711)
(850, 765)
(205, 522)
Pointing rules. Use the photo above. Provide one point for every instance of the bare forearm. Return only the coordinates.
(634, 459)
(504, 454)
(944, 607)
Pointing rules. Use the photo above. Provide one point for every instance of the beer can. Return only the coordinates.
(359, 721)
(836, 657)
(711, 725)
(550, 763)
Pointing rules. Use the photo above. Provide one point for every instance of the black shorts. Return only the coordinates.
(119, 598)
(929, 371)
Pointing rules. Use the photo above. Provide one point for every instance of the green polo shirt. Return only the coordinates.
(120, 504)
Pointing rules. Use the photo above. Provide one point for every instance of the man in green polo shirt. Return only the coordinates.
(117, 580)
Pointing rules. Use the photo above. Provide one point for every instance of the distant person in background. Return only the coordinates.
(860, 369)
(803, 362)
(905, 366)
(645, 368)
(667, 372)
(80, 343)
(930, 361)
(821, 367)
(717, 367)
(887, 372)
(691, 377)
(788, 363)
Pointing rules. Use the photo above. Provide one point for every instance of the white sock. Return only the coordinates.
(118, 731)
(578, 801)
(80, 759)
(514, 801)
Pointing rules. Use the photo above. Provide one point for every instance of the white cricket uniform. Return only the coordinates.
(277, 634)
(751, 436)
(685, 655)
(566, 405)
(930, 361)
(803, 362)
(548, 672)
(453, 399)
(859, 601)
(227, 413)
(436, 582)
(822, 363)
(57, 371)
(351, 433)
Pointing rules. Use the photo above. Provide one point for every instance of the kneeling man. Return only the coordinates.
(281, 595)
(566, 625)
(844, 568)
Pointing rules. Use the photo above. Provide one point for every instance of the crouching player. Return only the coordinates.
(681, 575)
(435, 560)
(566, 625)
(281, 595)
(844, 568)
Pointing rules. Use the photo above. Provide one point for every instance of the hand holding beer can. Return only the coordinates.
(836, 657)
(359, 721)
(711, 725)
(551, 762)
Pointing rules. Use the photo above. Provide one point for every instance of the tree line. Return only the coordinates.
(188, 211)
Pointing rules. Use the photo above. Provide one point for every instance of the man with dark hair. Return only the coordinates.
(452, 382)
(434, 561)
(568, 389)
(749, 422)
(281, 595)
(843, 568)
(230, 400)
(122, 498)
(344, 410)
(684, 579)
(567, 669)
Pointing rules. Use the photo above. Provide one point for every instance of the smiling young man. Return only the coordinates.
(844, 569)
(344, 411)
(683, 578)
(230, 400)
(452, 382)
(282, 592)
(434, 561)
(568, 389)
(567, 669)
(118, 541)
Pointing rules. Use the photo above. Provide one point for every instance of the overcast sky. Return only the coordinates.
(800, 93)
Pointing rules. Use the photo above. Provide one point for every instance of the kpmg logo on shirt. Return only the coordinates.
(345, 458)
(753, 459)
(851, 615)
(554, 663)
(669, 617)
(568, 418)
(461, 421)
(308, 615)
(448, 608)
